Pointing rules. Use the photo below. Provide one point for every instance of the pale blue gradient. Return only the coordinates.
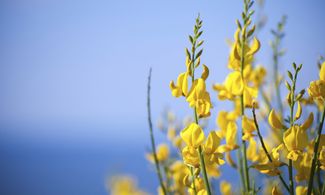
(73, 73)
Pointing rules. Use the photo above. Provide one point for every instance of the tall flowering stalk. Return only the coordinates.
(291, 143)
(241, 85)
(196, 153)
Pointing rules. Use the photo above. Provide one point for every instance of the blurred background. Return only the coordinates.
(73, 81)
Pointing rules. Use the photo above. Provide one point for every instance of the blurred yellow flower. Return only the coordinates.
(225, 188)
(301, 190)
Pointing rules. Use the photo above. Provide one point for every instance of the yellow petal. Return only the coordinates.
(234, 83)
(231, 134)
(322, 72)
(255, 47)
(182, 82)
(225, 188)
(193, 135)
(274, 121)
(162, 152)
(301, 190)
(176, 92)
(212, 143)
(205, 73)
(295, 139)
(275, 191)
(252, 150)
(299, 111)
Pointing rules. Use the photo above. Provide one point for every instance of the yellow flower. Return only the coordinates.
(301, 190)
(276, 191)
(162, 153)
(171, 133)
(274, 120)
(225, 188)
(223, 93)
(234, 83)
(295, 139)
(250, 94)
(230, 138)
(124, 185)
(257, 76)
(181, 89)
(178, 172)
(271, 168)
(193, 135)
(252, 153)
(212, 163)
(212, 157)
(199, 185)
(199, 98)
(190, 156)
(212, 143)
(303, 166)
(321, 158)
(222, 121)
(316, 90)
(248, 126)
(236, 51)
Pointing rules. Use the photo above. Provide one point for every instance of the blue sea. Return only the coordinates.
(39, 165)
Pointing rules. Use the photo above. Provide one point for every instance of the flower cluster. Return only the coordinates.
(283, 155)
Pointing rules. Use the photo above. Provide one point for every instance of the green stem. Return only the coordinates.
(313, 165)
(291, 178)
(205, 175)
(240, 169)
(265, 150)
(318, 177)
(242, 63)
(152, 137)
(193, 181)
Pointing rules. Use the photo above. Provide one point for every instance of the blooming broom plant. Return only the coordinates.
(290, 155)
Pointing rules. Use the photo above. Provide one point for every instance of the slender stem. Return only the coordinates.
(318, 177)
(291, 178)
(193, 180)
(205, 175)
(313, 165)
(240, 169)
(152, 137)
(265, 150)
(242, 63)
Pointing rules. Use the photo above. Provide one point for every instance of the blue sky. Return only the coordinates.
(82, 65)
